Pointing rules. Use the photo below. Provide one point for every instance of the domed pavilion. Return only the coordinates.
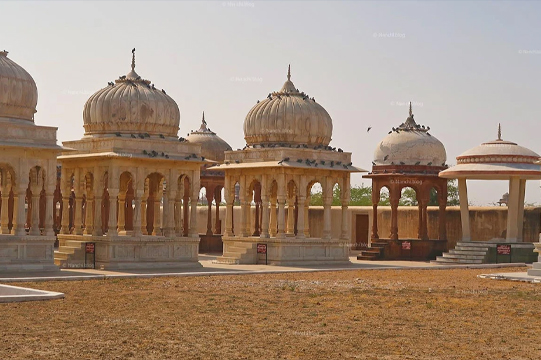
(28, 174)
(287, 151)
(213, 148)
(409, 156)
(130, 164)
(497, 160)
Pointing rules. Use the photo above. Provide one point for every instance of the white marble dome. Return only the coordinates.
(212, 146)
(131, 105)
(410, 144)
(18, 91)
(288, 116)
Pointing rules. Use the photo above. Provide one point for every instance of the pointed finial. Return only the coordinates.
(204, 122)
(499, 131)
(289, 72)
(411, 112)
(133, 59)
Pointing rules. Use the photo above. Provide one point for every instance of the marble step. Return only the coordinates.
(447, 260)
(460, 256)
(467, 252)
(226, 260)
(471, 248)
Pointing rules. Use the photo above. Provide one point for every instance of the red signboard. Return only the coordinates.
(406, 245)
(503, 249)
(261, 248)
(89, 248)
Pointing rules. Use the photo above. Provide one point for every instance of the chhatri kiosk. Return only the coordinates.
(494, 160)
(28, 174)
(287, 152)
(130, 164)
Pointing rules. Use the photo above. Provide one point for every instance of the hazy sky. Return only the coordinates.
(465, 65)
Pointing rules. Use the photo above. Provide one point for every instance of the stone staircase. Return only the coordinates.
(238, 252)
(373, 252)
(464, 253)
(70, 254)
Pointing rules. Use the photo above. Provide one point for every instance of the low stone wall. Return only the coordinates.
(486, 222)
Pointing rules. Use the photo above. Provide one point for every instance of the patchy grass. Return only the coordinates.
(391, 314)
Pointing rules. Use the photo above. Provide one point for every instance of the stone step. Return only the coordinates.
(61, 255)
(472, 244)
(447, 260)
(467, 252)
(366, 257)
(458, 256)
(240, 250)
(378, 244)
(471, 248)
(370, 252)
(226, 260)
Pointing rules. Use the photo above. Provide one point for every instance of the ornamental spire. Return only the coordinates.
(499, 132)
(133, 59)
(204, 122)
(289, 72)
(411, 112)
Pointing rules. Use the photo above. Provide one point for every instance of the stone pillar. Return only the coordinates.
(464, 211)
(156, 230)
(394, 197)
(272, 218)
(344, 233)
(34, 227)
(513, 209)
(265, 217)
(89, 212)
(186, 215)
(113, 197)
(96, 224)
(441, 214)
(122, 213)
(19, 216)
(301, 225)
(137, 213)
(179, 231)
(169, 212)
(49, 207)
(65, 210)
(291, 215)
(193, 218)
(218, 199)
(327, 202)
(281, 216)
(520, 219)
(144, 214)
(424, 225)
(420, 226)
(306, 219)
(4, 221)
(209, 195)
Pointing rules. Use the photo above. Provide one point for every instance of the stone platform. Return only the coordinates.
(131, 252)
(284, 251)
(26, 253)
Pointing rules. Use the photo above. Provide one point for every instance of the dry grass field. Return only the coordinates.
(371, 314)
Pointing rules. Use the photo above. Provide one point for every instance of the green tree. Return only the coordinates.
(409, 199)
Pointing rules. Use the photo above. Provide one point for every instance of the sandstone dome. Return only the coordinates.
(131, 105)
(18, 91)
(410, 144)
(212, 146)
(288, 116)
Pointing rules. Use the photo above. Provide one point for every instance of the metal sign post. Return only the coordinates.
(262, 249)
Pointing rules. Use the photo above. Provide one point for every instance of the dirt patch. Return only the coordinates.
(391, 314)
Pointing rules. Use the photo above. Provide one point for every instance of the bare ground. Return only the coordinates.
(370, 314)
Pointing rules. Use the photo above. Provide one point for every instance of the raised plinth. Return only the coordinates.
(285, 251)
(141, 252)
(536, 266)
(26, 253)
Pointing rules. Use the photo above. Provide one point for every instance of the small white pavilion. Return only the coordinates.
(496, 160)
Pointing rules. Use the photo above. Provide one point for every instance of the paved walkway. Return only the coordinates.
(209, 268)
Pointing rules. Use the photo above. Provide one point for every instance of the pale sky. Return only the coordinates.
(466, 66)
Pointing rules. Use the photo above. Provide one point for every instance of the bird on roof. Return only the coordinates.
(369, 128)
(163, 91)
(390, 132)
(373, 163)
(385, 157)
(237, 162)
(428, 133)
(430, 163)
(340, 150)
(418, 163)
(402, 163)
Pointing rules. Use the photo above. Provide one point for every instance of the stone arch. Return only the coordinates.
(156, 187)
(254, 195)
(7, 184)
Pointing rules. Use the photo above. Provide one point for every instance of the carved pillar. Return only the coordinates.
(19, 216)
(112, 228)
(375, 201)
(157, 212)
(89, 212)
(218, 199)
(301, 226)
(209, 196)
(66, 193)
(394, 197)
(34, 228)
(464, 210)
(49, 207)
(179, 231)
(4, 221)
(138, 212)
(327, 202)
(122, 213)
(265, 216)
(272, 218)
(281, 216)
(169, 211)
(344, 230)
(291, 215)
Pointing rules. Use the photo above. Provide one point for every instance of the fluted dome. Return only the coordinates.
(18, 91)
(212, 146)
(288, 116)
(410, 144)
(131, 105)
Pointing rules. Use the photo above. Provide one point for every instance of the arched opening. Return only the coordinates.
(7, 184)
(254, 197)
(125, 203)
(154, 201)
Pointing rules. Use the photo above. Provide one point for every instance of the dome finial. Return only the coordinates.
(289, 72)
(133, 59)
(499, 132)
(411, 112)
(204, 122)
